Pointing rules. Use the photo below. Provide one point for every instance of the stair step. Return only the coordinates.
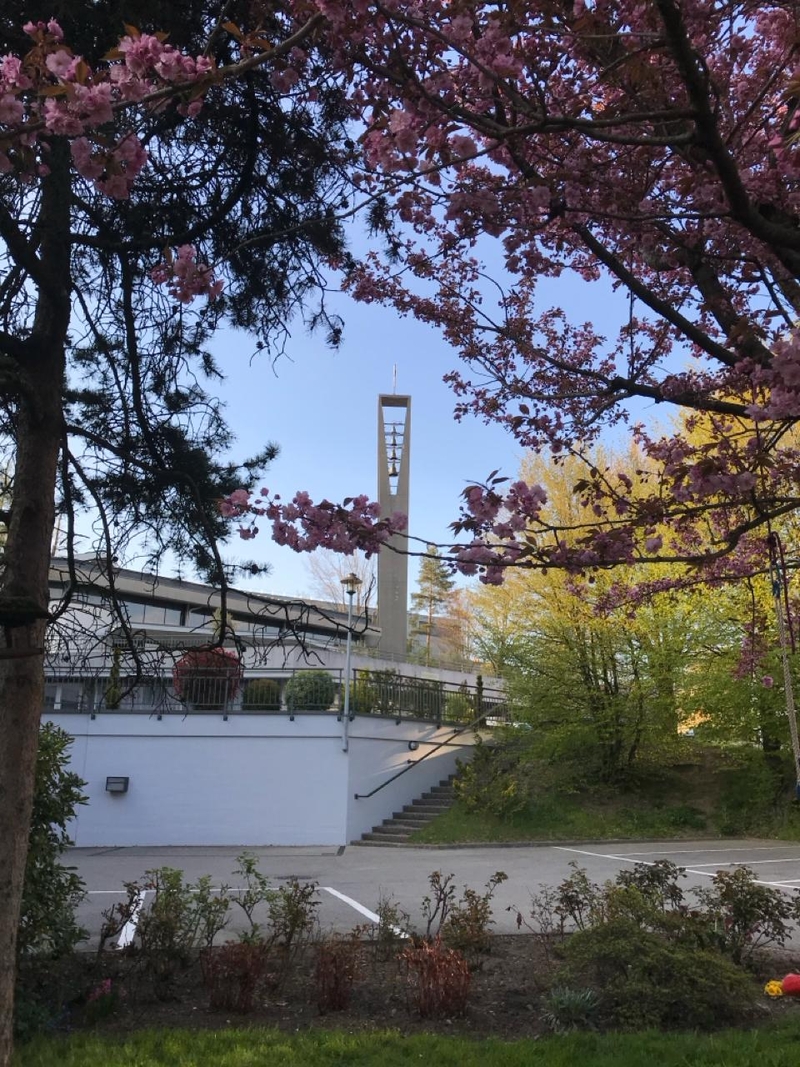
(403, 824)
(389, 839)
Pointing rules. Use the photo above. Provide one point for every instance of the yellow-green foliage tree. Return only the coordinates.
(599, 687)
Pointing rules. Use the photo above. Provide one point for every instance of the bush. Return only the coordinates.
(262, 694)
(310, 691)
(207, 677)
(643, 980)
(745, 915)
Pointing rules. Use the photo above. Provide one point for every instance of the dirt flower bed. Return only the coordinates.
(637, 953)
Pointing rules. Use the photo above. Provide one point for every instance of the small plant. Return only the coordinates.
(437, 906)
(391, 930)
(657, 882)
(235, 974)
(542, 921)
(257, 891)
(566, 1010)
(293, 914)
(439, 977)
(467, 926)
(578, 898)
(117, 917)
(338, 967)
(103, 1000)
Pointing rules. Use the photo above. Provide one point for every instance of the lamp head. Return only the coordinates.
(351, 582)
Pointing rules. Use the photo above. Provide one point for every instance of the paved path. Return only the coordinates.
(352, 880)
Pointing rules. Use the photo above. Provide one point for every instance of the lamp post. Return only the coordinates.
(351, 583)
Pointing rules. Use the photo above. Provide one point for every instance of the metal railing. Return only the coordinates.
(414, 762)
(282, 691)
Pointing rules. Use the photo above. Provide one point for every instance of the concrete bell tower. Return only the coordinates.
(394, 456)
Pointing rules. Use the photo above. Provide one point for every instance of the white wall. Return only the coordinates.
(250, 780)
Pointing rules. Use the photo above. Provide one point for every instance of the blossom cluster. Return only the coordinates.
(185, 277)
(51, 91)
(354, 525)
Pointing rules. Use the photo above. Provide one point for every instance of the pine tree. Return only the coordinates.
(434, 585)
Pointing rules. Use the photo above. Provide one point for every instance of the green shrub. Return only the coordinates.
(499, 778)
(642, 980)
(262, 694)
(51, 891)
(310, 691)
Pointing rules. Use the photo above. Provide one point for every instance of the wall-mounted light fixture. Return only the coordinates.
(117, 784)
(413, 746)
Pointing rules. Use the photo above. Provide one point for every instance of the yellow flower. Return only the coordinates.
(773, 989)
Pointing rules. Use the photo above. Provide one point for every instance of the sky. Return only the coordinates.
(320, 407)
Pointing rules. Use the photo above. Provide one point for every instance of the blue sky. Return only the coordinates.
(320, 407)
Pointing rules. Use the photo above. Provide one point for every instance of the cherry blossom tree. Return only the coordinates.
(652, 145)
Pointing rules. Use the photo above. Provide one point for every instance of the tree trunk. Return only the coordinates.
(26, 562)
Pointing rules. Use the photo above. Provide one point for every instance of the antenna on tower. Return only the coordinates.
(394, 378)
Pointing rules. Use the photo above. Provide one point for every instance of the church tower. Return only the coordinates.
(394, 456)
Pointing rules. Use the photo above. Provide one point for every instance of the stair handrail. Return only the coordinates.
(413, 762)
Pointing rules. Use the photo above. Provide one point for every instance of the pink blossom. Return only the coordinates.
(62, 64)
(768, 681)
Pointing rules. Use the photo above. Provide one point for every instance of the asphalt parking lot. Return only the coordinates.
(352, 880)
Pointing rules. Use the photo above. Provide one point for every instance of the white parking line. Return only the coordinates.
(710, 851)
(128, 931)
(360, 908)
(744, 863)
(651, 863)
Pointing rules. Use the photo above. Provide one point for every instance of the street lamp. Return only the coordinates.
(351, 583)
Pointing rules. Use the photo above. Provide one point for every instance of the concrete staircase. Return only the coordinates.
(398, 829)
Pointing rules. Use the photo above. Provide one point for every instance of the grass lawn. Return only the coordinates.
(774, 1047)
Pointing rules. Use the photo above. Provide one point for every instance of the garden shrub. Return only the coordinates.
(337, 968)
(499, 778)
(643, 980)
(439, 978)
(179, 918)
(262, 694)
(235, 974)
(310, 691)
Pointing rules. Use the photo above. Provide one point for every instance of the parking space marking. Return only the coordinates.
(651, 863)
(128, 931)
(709, 851)
(744, 863)
(361, 909)
(353, 903)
